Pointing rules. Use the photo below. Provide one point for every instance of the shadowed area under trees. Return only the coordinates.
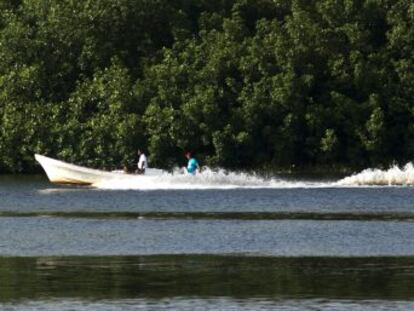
(245, 83)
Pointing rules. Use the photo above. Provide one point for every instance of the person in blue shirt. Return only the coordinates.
(192, 166)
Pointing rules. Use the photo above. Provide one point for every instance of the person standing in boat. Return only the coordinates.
(192, 165)
(142, 162)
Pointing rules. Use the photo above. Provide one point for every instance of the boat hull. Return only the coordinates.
(65, 173)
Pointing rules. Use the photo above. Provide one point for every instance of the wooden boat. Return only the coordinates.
(67, 173)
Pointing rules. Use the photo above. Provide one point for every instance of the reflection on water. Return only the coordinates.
(224, 303)
(372, 216)
(204, 276)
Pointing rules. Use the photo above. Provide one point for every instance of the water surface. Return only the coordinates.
(304, 246)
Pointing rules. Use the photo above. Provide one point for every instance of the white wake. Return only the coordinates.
(222, 179)
(207, 179)
(393, 176)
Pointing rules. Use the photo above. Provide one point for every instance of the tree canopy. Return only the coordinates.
(243, 83)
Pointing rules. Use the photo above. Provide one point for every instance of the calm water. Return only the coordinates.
(280, 248)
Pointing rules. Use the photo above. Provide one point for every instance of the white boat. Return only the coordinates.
(67, 173)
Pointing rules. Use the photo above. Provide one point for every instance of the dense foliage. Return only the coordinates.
(244, 83)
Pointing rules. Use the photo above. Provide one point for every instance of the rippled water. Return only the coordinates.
(293, 246)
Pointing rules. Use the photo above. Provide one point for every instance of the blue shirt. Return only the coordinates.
(192, 166)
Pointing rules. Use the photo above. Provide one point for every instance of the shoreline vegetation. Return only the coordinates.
(284, 86)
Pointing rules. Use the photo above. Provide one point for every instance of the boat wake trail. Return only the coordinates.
(207, 179)
(222, 179)
(392, 176)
